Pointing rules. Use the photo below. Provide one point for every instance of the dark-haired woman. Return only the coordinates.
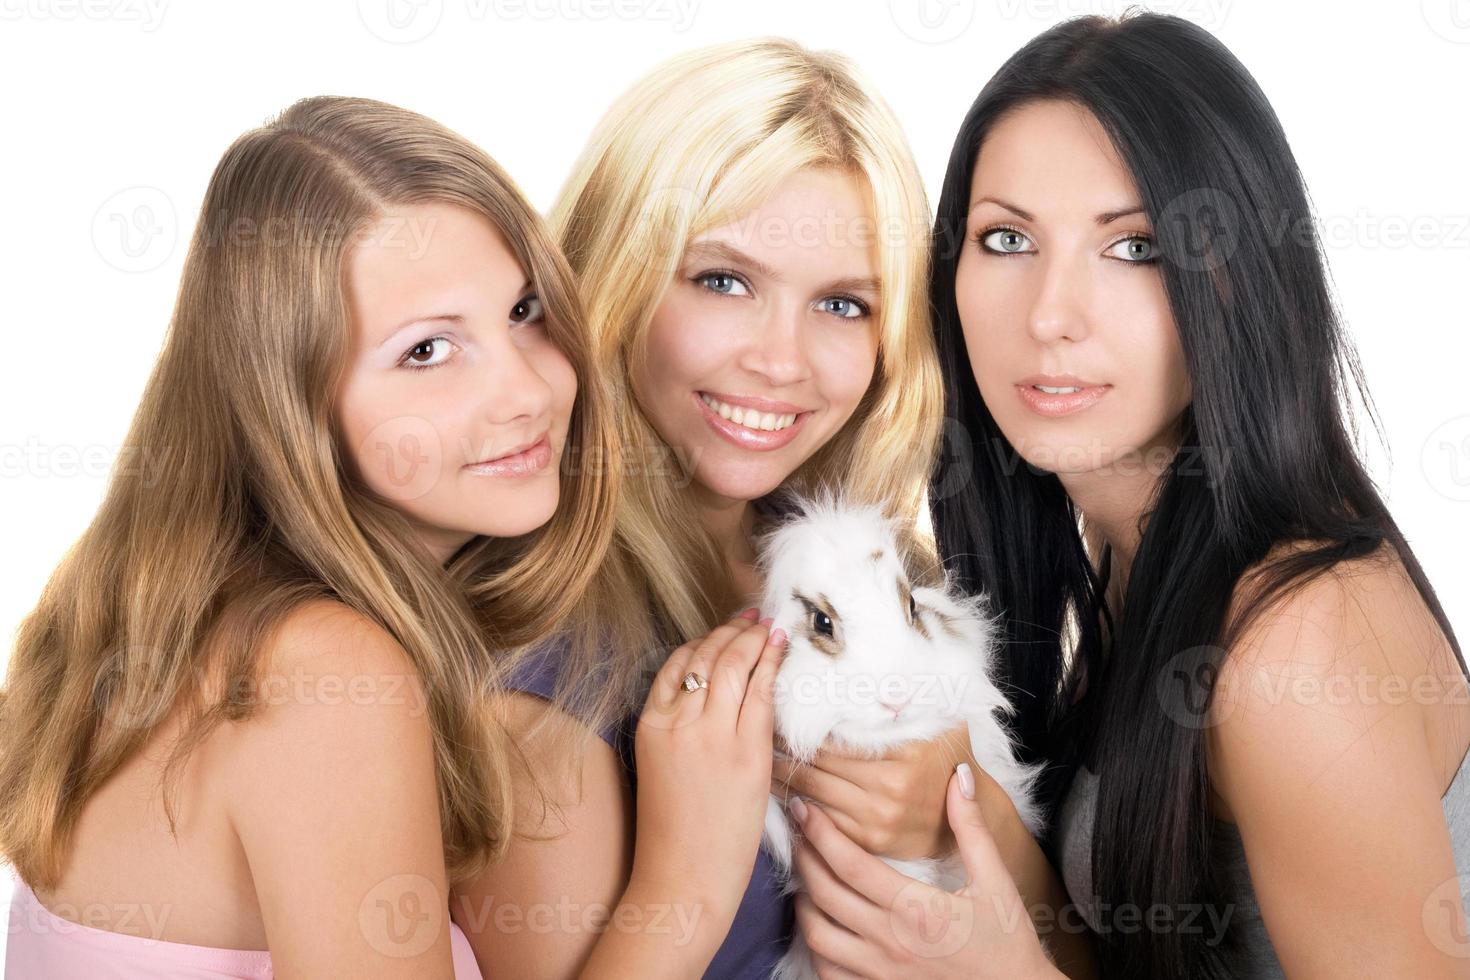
(1254, 700)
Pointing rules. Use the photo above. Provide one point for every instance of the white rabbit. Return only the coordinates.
(873, 663)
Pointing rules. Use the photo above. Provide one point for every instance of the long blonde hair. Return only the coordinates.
(183, 578)
(695, 144)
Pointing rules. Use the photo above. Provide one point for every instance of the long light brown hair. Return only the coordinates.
(168, 599)
(697, 143)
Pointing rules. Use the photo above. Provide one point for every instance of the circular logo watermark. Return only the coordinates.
(1443, 917)
(1205, 229)
(1445, 458)
(402, 458)
(1450, 19)
(401, 915)
(932, 21)
(1186, 688)
(400, 21)
(945, 922)
(136, 229)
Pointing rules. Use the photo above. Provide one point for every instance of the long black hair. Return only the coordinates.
(1268, 455)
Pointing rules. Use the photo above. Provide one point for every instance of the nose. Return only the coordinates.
(895, 706)
(1057, 310)
(515, 391)
(777, 346)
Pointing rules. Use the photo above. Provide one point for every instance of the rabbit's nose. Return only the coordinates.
(895, 706)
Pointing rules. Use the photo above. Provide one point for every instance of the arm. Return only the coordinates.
(333, 797)
(668, 894)
(539, 911)
(1330, 780)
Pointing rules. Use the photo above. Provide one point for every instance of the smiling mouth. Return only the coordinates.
(749, 417)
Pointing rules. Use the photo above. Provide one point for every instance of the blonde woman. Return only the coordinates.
(750, 234)
(369, 379)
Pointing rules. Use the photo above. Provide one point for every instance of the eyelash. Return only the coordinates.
(981, 235)
(406, 363)
(863, 308)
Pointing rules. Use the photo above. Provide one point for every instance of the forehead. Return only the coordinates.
(816, 217)
(429, 248)
(1052, 157)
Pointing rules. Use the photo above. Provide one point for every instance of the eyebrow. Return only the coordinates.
(733, 255)
(1105, 218)
(439, 317)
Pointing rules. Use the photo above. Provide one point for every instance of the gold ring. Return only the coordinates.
(693, 682)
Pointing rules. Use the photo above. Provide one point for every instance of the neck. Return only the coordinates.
(1114, 501)
(732, 523)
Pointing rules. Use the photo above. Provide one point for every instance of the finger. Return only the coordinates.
(809, 780)
(702, 657)
(730, 673)
(832, 895)
(758, 708)
(827, 970)
(982, 860)
(829, 940)
(667, 682)
(869, 876)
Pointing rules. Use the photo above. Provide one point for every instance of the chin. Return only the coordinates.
(734, 482)
(513, 518)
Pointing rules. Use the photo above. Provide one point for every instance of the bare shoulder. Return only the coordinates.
(1349, 667)
(333, 795)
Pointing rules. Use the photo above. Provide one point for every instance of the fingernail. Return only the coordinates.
(750, 613)
(798, 809)
(768, 621)
(778, 638)
(967, 780)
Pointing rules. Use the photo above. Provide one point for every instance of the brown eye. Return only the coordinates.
(913, 609)
(527, 310)
(822, 623)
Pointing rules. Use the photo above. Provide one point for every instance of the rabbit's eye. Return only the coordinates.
(821, 622)
(913, 609)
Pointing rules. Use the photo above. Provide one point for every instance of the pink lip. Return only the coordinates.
(1055, 406)
(759, 404)
(751, 438)
(518, 462)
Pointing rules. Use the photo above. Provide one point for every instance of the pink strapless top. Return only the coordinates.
(44, 946)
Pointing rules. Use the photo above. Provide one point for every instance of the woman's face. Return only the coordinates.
(1058, 288)
(456, 404)
(767, 339)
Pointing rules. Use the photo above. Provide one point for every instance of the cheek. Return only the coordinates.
(398, 454)
(1148, 353)
(844, 366)
(688, 341)
(990, 310)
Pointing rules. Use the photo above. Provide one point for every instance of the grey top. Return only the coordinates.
(1254, 957)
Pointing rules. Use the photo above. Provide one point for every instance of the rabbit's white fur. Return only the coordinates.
(845, 559)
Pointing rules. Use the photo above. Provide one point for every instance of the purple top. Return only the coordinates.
(763, 924)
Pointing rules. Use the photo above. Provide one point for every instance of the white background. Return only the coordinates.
(116, 111)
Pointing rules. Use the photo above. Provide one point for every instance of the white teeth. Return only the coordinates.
(1056, 391)
(749, 417)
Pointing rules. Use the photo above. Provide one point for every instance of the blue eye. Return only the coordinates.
(724, 283)
(1140, 249)
(1005, 241)
(845, 307)
(427, 354)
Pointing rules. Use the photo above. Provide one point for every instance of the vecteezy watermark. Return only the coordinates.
(1186, 688)
(38, 460)
(565, 917)
(1450, 19)
(143, 920)
(942, 694)
(1445, 458)
(136, 229)
(408, 21)
(407, 233)
(148, 14)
